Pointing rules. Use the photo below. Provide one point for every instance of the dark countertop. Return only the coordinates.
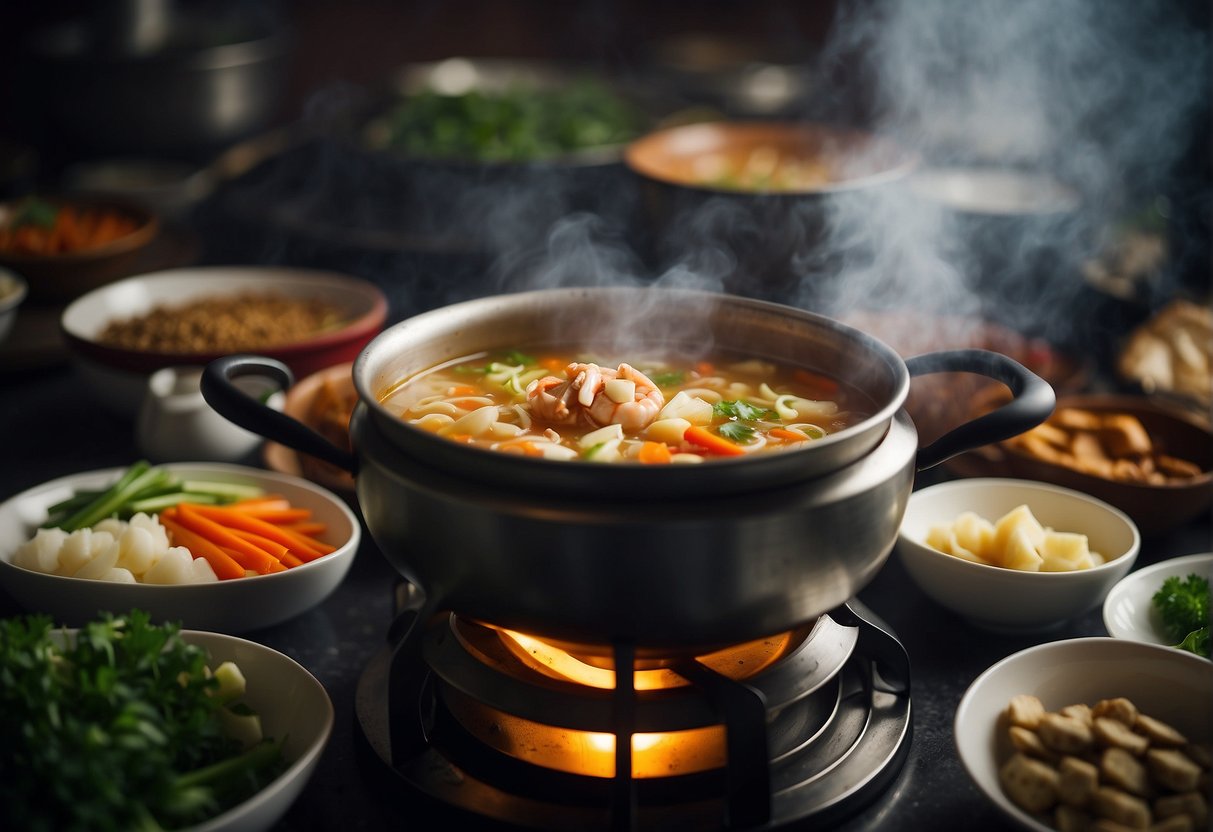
(41, 414)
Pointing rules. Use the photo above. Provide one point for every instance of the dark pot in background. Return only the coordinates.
(709, 206)
(148, 78)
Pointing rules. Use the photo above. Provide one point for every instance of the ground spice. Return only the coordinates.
(243, 322)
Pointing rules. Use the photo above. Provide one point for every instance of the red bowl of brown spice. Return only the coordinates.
(121, 333)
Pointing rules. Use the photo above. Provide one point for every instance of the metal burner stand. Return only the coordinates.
(816, 736)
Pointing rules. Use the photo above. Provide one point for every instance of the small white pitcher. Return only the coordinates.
(176, 424)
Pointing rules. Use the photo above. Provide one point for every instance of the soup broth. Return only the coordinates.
(564, 404)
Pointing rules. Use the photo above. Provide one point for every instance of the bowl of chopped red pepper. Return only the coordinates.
(65, 246)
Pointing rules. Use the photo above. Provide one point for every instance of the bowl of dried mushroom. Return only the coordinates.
(1151, 461)
(123, 332)
(1071, 734)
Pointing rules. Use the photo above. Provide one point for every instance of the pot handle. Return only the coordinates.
(237, 406)
(1032, 401)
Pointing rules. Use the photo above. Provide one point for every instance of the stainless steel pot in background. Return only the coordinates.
(156, 77)
(669, 556)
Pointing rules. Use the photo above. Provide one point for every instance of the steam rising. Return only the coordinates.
(1096, 102)
(1102, 97)
(1104, 101)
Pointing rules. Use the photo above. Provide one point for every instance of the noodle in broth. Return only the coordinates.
(569, 405)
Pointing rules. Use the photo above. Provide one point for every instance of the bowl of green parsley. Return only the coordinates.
(126, 724)
(1165, 603)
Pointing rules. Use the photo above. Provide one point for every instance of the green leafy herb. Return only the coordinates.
(668, 379)
(740, 409)
(737, 432)
(1182, 605)
(516, 357)
(519, 124)
(115, 729)
(1196, 642)
(36, 212)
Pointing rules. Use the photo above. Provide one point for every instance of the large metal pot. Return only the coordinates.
(157, 77)
(661, 557)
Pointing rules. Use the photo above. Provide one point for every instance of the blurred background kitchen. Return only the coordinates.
(1062, 186)
(1040, 185)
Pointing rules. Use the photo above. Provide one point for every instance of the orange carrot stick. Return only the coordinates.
(276, 567)
(654, 453)
(250, 556)
(274, 548)
(789, 435)
(710, 441)
(223, 564)
(299, 545)
(290, 561)
(269, 502)
(310, 529)
(308, 548)
(279, 516)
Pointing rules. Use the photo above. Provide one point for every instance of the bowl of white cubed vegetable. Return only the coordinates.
(216, 547)
(1015, 555)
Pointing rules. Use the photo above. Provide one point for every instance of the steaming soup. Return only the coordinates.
(574, 406)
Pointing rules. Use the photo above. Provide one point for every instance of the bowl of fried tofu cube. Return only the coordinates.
(1015, 556)
(1092, 733)
(1152, 461)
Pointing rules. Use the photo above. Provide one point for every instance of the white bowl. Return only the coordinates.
(176, 424)
(293, 707)
(1167, 684)
(229, 606)
(1128, 611)
(1010, 600)
(117, 376)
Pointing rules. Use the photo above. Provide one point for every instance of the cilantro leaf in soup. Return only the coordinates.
(516, 357)
(737, 432)
(741, 409)
(668, 379)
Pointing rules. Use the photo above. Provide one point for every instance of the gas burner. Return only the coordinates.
(522, 732)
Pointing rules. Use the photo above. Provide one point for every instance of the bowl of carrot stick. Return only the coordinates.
(217, 547)
(65, 246)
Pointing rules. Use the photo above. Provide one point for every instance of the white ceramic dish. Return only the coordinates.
(293, 706)
(176, 424)
(1128, 611)
(230, 606)
(1167, 684)
(1010, 600)
(117, 376)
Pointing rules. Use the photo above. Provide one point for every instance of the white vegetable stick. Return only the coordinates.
(202, 571)
(174, 568)
(135, 549)
(102, 562)
(77, 550)
(118, 575)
